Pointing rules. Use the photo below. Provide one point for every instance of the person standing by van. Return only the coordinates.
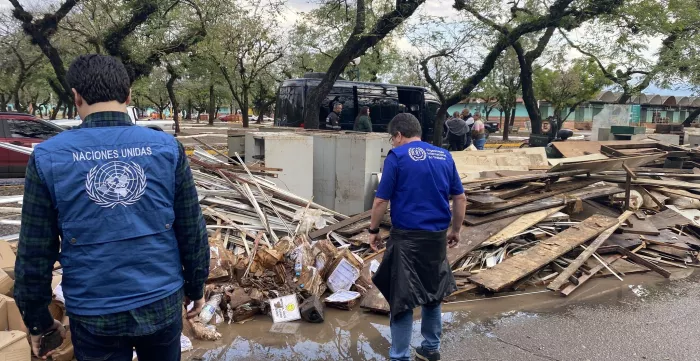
(363, 123)
(478, 132)
(469, 119)
(457, 130)
(333, 119)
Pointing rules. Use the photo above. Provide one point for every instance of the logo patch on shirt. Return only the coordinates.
(116, 183)
(417, 154)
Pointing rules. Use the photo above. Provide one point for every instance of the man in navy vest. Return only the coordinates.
(418, 180)
(133, 242)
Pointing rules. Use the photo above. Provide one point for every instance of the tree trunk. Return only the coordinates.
(626, 96)
(244, 107)
(212, 105)
(512, 116)
(70, 112)
(488, 111)
(506, 124)
(694, 114)
(439, 125)
(188, 112)
(356, 45)
(3, 103)
(54, 111)
(170, 86)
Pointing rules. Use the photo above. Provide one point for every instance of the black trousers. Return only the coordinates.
(456, 142)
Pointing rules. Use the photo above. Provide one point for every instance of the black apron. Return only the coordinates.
(414, 270)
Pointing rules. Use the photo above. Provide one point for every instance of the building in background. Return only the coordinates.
(652, 109)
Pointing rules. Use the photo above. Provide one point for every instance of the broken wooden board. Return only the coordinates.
(583, 158)
(640, 226)
(521, 179)
(596, 166)
(677, 193)
(363, 237)
(525, 263)
(484, 199)
(559, 200)
(569, 271)
(344, 223)
(644, 262)
(522, 224)
(591, 207)
(554, 189)
(471, 164)
(668, 219)
(372, 299)
(624, 240)
(668, 237)
(586, 276)
(472, 237)
(571, 149)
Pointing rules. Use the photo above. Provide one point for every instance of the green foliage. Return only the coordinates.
(568, 87)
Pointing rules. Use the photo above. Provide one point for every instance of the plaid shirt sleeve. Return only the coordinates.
(190, 230)
(36, 253)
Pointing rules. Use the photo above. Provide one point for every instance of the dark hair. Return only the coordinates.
(364, 111)
(99, 79)
(406, 124)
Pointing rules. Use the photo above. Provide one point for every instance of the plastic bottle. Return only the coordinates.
(299, 264)
(210, 308)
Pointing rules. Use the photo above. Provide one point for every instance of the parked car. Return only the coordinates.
(24, 130)
(167, 126)
(230, 118)
(492, 127)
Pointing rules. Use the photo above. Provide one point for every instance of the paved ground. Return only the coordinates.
(642, 318)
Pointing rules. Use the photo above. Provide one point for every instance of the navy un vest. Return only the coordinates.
(114, 189)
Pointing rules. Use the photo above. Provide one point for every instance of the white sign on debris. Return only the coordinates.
(285, 309)
(343, 296)
(343, 277)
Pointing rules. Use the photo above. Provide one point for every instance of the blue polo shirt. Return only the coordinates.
(418, 180)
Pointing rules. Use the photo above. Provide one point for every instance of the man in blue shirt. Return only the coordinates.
(120, 203)
(418, 180)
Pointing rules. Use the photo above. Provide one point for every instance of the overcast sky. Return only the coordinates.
(432, 7)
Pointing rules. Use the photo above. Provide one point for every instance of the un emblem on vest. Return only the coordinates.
(116, 183)
(417, 154)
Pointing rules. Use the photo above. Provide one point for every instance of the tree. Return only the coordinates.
(566, 14)
(567, 88)
(173, 76)
(442, 59)
(360, 40)
(504, 83)
(155, 18)
(250, 46)
(625, 46)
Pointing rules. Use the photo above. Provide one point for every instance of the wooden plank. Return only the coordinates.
(555, 189)
(522, 224)
(677, 192)
(346, 222)
(582, 194)
(473, 237)
(668, 219)
(586, 254)
(591, 207)
(597, 156)
(484, 199)
(587, 276)
(638, 259)
(639, 226)
(595, 166)
(522, 179)
(525, 263)
(650, 182)
(470, 164)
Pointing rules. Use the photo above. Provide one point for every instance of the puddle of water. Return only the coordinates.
(358, 335)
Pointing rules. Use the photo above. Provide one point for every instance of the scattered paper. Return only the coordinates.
(185, 343)
(343, 296)
(373, 266)
(58, 292)
(285, 309)
(285, 327)
(343, 277)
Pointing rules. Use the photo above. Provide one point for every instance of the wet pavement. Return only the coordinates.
(644, 317)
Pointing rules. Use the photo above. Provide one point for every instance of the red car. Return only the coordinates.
(24, 130)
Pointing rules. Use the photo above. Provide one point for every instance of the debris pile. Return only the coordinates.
(632, 209)
(273, 252)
